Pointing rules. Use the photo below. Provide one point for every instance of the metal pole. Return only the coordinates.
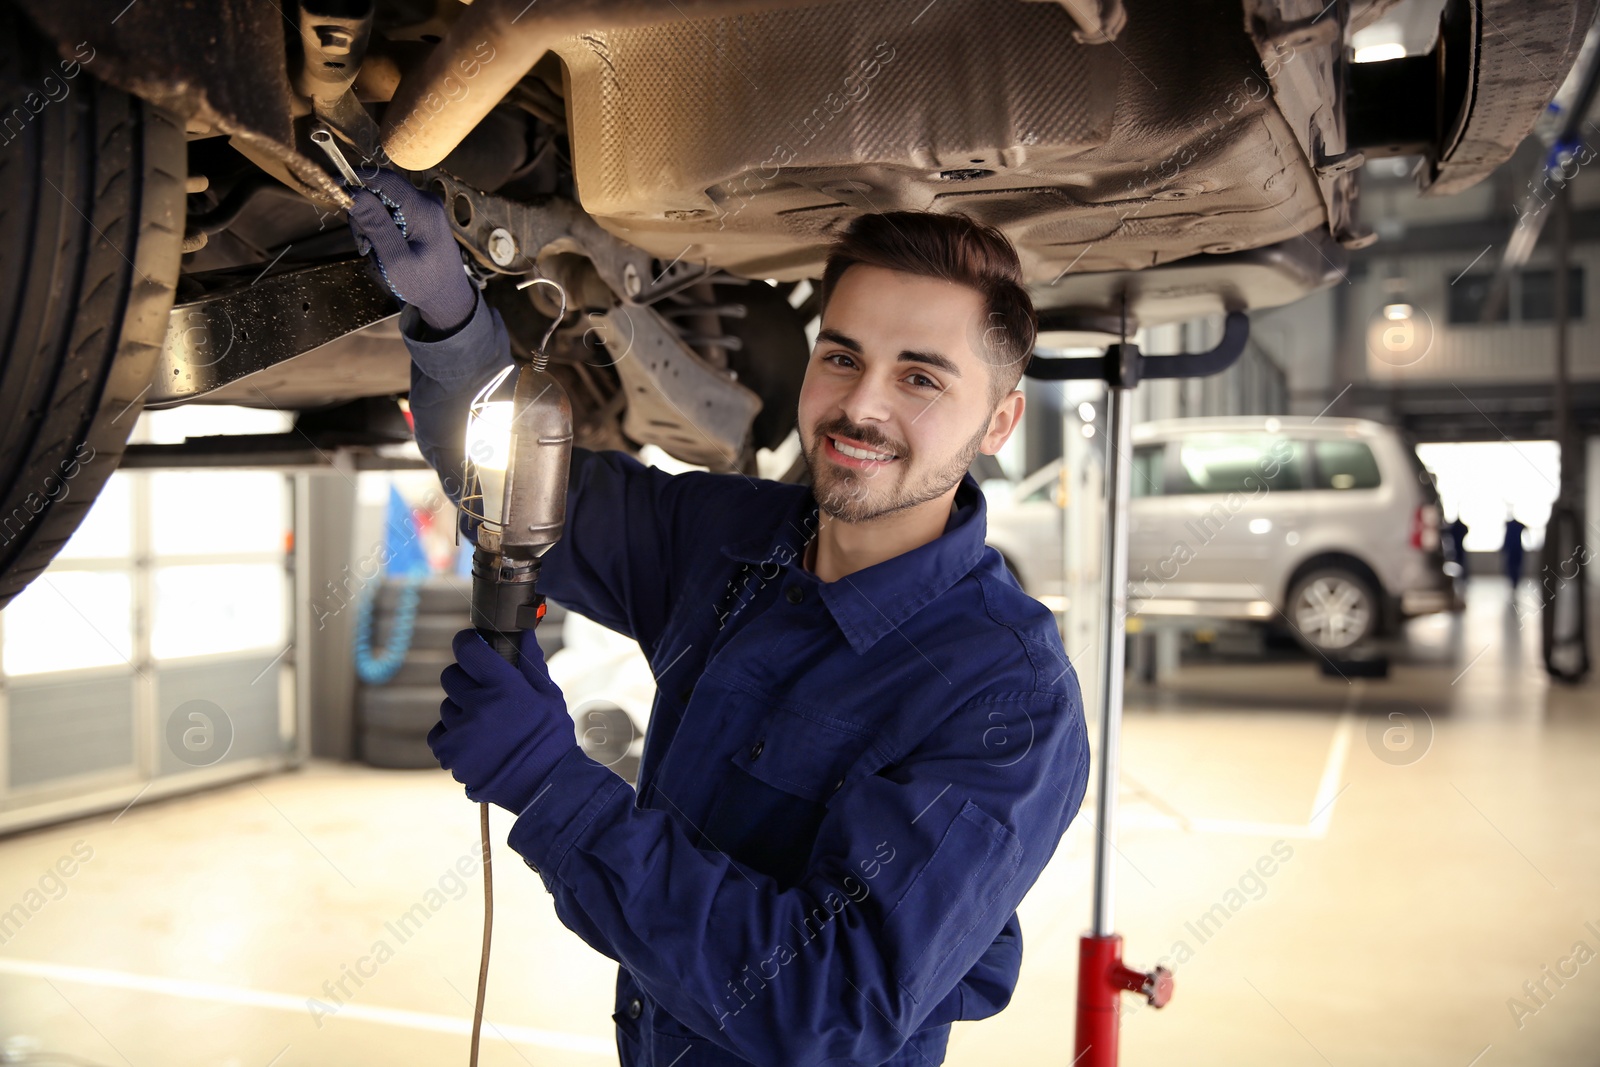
(1113, 623)
(1562, 400)
(1564, 625)
(1064, 500)
(1102, 976)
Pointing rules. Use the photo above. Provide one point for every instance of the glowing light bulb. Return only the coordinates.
(489, 448)
(1397, 312)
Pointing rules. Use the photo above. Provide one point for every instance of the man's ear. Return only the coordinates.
(1003, 423)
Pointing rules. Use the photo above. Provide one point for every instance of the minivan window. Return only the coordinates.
(1045, 492)
(1345, 465)
(1149, 470)
(1236, 463)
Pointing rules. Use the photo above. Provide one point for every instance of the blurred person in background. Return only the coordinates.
(1456, 545)
(1511, 550)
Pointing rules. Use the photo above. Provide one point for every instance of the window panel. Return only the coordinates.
(209, 609)
(1149, 470)
(1468, 294)
(1236, 463)
(69, 620)
(107, 531)
(1539, 295)
(210, 512)
(1346, 465)
(1044, 494)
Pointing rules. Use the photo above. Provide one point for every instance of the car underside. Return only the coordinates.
(680, 169)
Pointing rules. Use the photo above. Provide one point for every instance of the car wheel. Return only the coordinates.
(1333, 609)
(91, 229)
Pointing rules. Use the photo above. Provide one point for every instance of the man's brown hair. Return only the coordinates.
(956, 249)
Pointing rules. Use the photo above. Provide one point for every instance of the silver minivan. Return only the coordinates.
(1328, 525)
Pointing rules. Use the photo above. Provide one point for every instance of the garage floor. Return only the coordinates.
(1411, 895)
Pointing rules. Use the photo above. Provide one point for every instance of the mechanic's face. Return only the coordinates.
(896, 400)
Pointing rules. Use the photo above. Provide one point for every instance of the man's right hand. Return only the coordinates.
(408, 231)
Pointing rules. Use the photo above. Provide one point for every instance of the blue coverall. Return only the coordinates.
(846, 789)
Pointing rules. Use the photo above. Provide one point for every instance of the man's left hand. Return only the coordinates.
(503, 728)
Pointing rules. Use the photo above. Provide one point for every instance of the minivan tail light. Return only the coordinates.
(1425, 527)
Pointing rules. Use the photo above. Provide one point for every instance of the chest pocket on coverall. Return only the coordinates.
(773, 798)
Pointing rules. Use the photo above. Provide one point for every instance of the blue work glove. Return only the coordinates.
(502, 729)
(410, 233)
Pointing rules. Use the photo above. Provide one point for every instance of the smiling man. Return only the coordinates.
(867, 740)
(888, 421)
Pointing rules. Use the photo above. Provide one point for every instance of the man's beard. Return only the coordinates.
(843, 494)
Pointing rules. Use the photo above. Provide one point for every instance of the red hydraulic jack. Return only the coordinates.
(1102, 976)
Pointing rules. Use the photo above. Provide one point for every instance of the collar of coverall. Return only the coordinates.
(875, 601)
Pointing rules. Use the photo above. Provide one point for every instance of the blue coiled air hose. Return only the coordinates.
(377, 670)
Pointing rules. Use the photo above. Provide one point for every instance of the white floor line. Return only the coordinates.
(1316, 826)
(1328, 789)
(255, 998)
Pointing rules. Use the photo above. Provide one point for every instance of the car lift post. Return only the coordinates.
(1102, 976)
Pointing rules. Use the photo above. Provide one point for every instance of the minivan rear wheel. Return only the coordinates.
(1333, 609)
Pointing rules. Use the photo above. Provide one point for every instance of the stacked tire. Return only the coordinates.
(394, 718)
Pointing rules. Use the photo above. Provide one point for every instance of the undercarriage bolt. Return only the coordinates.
(502, 247)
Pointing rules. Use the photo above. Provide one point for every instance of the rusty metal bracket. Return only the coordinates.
(675, 400)
(511, 236)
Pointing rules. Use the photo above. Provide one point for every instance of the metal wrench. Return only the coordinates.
(323, 139)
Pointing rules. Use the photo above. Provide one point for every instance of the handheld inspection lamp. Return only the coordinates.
(517, 452)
